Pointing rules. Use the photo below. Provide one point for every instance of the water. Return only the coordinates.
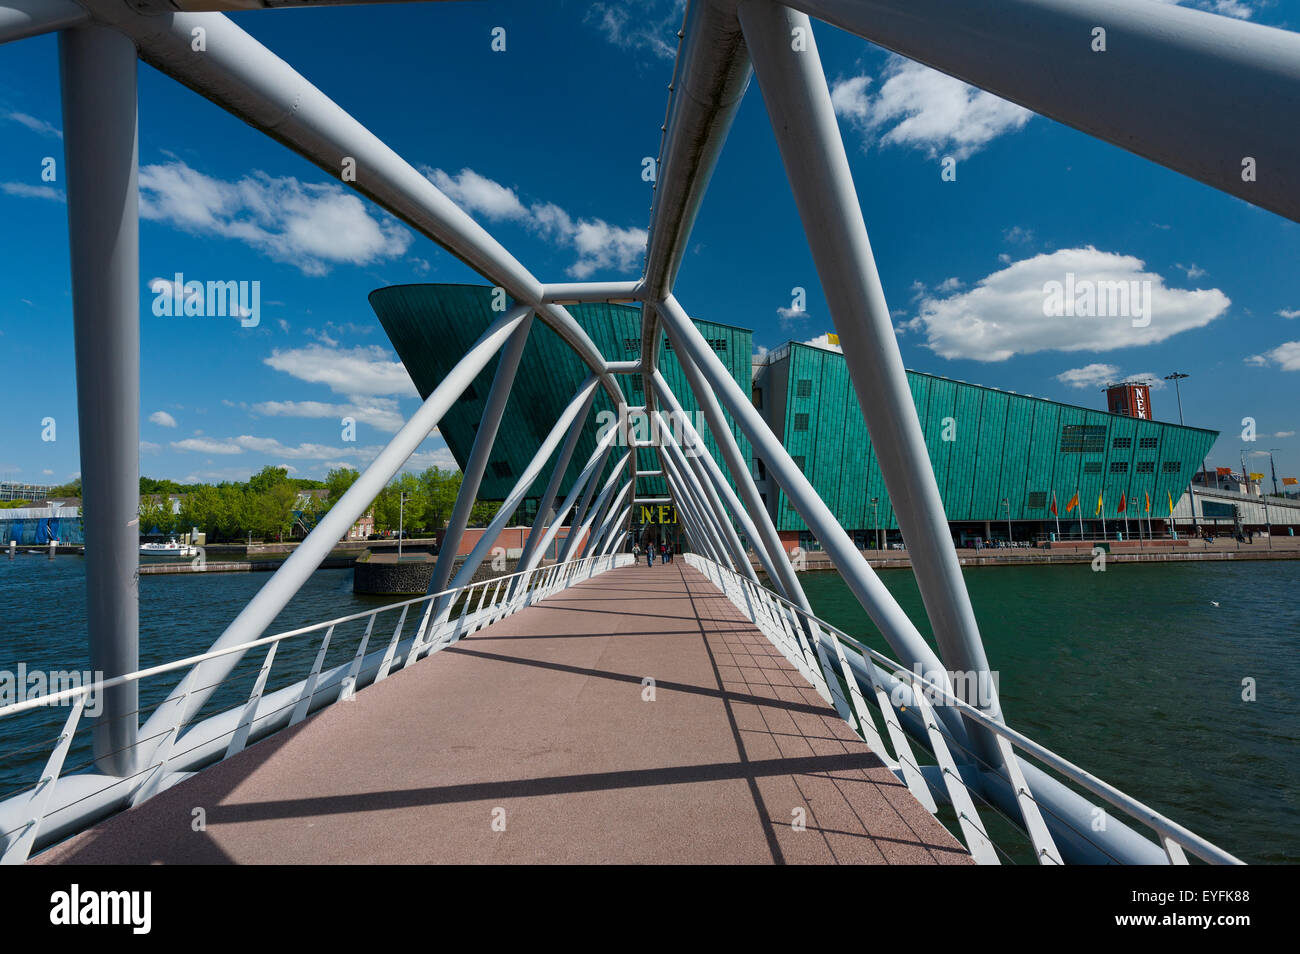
(42, 610)
(1132, 674)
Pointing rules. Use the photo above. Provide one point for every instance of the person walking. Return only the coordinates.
(650, 555)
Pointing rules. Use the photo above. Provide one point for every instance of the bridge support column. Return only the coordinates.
(697, 358)
(489, 424)
(778, 564)
(101, 160)
(803, 120)
(538, 529)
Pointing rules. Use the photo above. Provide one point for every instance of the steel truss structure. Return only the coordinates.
(1197, 93)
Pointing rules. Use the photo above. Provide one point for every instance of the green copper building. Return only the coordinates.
(996, 454)
(431, 326)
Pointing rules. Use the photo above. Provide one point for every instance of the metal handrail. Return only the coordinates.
(1168, 830)
(141, 674)
(34, 802)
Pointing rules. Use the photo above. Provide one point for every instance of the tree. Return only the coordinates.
(156, 515)
(483, 512)
(337, 482)
(440, 488)
(67, 490)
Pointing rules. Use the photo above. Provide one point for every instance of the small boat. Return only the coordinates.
(172, 547)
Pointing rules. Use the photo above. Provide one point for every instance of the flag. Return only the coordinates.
(1256, 476)
(1148, 496)
(1098, 513)
(1053, 502)
(1123, 503)
(1171, 502)
(1288, 481)
(1074, 502)
(1223, 471)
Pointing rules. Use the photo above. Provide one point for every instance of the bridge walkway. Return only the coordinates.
(541, 739)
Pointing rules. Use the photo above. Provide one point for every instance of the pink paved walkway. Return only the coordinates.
(540, 722)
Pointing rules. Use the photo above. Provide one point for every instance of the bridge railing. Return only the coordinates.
(867, 687)
(68, 795)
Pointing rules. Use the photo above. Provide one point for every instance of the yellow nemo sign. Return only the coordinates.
(662, 513)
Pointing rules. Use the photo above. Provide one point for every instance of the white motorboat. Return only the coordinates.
(172, 547)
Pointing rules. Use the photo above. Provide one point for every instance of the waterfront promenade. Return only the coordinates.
(541, 739)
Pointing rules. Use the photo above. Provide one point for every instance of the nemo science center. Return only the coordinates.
(1009, 466)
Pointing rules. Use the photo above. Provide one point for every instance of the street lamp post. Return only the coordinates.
(401, 522)
(1175, 377)
(875, 519)
(1007, 503)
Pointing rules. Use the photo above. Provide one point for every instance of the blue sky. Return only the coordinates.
(543, 143)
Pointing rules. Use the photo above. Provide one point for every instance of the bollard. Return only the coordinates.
(13, 548)
(52, 546)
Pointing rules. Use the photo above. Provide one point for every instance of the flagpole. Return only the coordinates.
(1057, 515)
(1076, 494)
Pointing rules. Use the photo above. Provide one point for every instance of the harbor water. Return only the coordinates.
(1137, 674)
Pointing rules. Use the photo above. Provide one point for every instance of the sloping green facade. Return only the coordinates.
(432, 326)
(986, 446)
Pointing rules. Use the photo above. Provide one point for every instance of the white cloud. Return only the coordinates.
(599, 245)
(651, 27)
(1286, 356)
(381, 413)
(922, 108)
(1089, 376)
(205, 445)
(146, 447)
(479, 195)
(310, 226)
(823, 341)
(35, 125)
(1284, 434)
(26, 191)
(363, 370)
(790, 316)
(1193, 271)
(1003, 314)
(1229, 8)
(1289, 312)
(162, 419)
(260, 445)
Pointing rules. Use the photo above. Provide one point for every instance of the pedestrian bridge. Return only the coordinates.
(634, 717)
(525, 694)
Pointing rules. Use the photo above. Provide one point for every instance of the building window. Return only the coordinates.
(1148, 441)
(758, 398)
(1146, 467)
(632, 345)
(1037, 500)
(1171, 467)
(803, 388)
(1122, 442)
(1092, 467)
(1119, 467)
(801, 422)
(799, 461)
(1083, 439)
